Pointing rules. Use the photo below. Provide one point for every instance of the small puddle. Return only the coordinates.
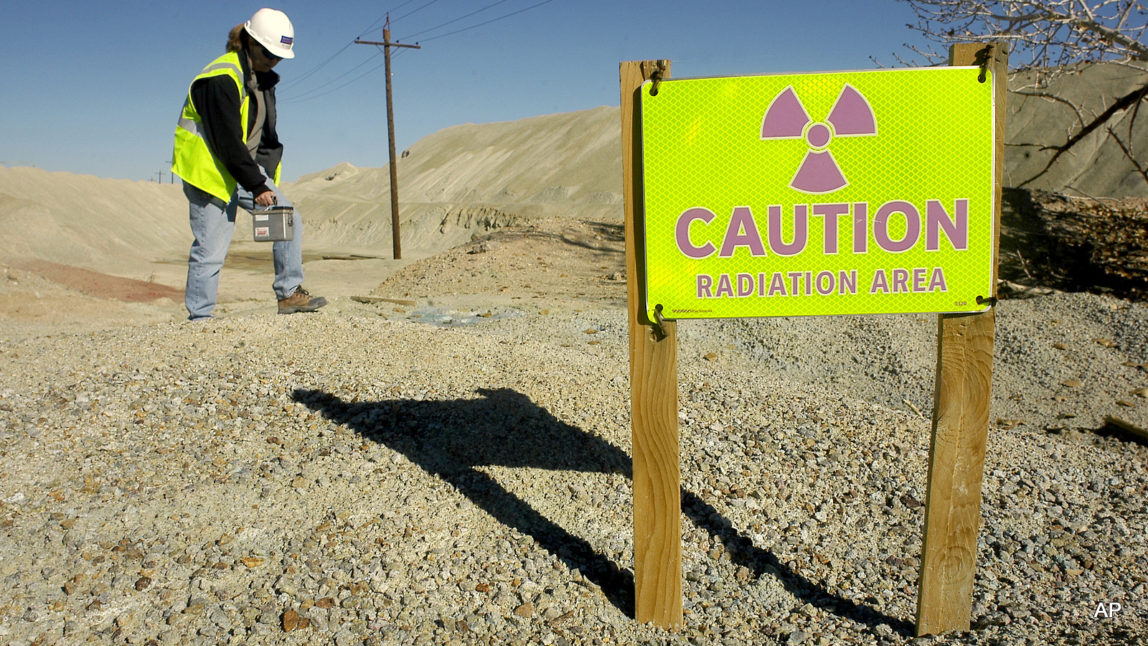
(446, 317)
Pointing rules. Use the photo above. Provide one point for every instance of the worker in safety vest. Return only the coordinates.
(228, 155)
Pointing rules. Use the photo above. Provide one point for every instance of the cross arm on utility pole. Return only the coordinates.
(387, 44)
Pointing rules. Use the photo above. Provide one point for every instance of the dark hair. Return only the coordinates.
(237, 39)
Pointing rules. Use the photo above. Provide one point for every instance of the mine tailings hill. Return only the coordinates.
(468, 180)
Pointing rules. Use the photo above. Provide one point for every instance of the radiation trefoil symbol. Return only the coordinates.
(786, 118)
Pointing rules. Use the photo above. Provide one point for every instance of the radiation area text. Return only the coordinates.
(895, 227)
(898, 280)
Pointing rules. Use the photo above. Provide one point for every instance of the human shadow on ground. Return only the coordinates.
(452, 439)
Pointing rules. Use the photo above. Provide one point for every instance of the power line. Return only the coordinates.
(436, 27)
(381, 19)
(316, 92)
(311, 94)
(306, 98)
(414, 11)
(487, 22)
(318, 67)
(299, 79)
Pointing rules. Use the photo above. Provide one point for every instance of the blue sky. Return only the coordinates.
(96, 87)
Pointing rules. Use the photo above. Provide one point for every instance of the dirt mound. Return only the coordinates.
(577, 260)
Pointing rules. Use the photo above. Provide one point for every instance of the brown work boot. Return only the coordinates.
(300, 301)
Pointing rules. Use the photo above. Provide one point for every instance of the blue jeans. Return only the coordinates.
(212, 224)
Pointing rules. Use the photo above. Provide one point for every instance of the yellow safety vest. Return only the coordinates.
(192, 159)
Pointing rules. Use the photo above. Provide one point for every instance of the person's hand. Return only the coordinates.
(266, 199)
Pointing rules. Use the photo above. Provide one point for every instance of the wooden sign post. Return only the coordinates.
(960, 419)
(964, 344)
(653, 397)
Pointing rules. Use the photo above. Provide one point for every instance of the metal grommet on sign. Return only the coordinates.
(982, 61)
(656, 77)
(659, 323)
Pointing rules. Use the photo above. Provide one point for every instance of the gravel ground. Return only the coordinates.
(362, 475)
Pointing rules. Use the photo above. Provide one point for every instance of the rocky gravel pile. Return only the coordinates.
(358, 476)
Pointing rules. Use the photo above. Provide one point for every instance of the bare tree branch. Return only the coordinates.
(1127, 150)
(1127, 101)
(1047, 36)
(1046, 32)
(1128, 154)
(1055, 99)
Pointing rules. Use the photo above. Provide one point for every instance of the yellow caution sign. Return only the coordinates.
(816, 194)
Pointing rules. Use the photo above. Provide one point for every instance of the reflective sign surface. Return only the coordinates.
(813, 194)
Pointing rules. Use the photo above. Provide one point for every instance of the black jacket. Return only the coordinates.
(217, 102)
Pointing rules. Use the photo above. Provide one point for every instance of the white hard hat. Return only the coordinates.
(272, 29)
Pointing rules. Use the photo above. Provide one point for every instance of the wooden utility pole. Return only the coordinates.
(387, 45)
